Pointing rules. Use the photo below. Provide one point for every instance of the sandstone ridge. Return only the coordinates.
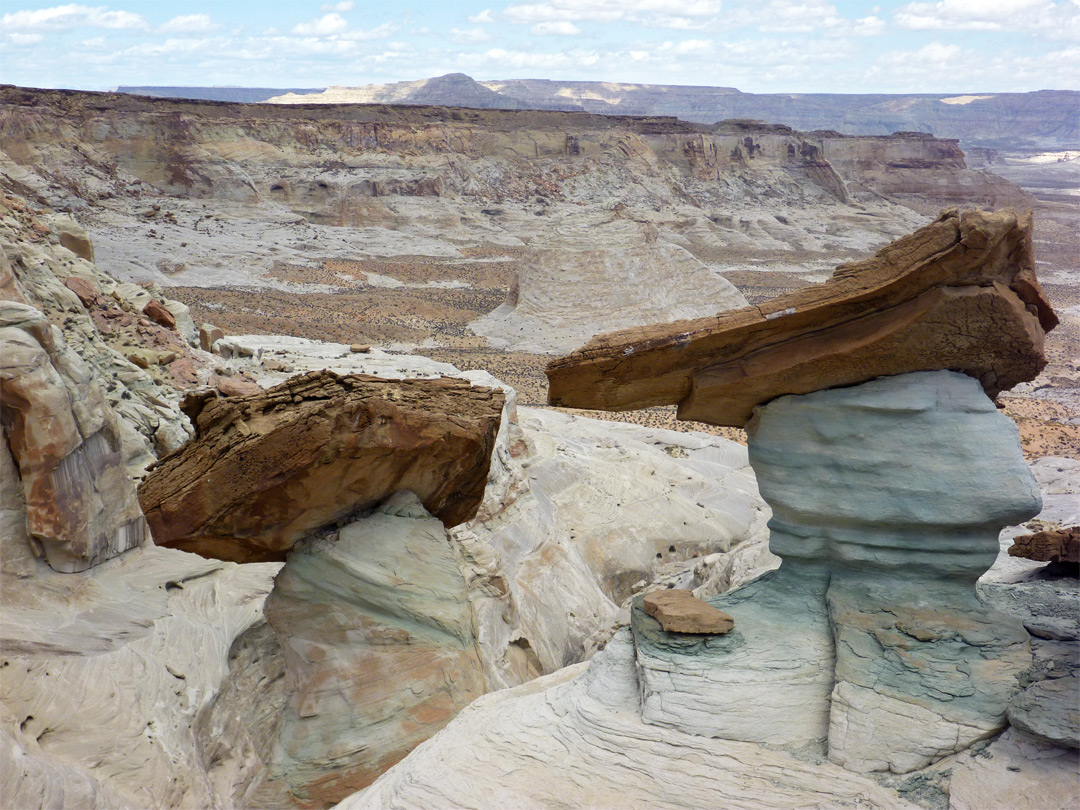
(958, 294)
(266, 469)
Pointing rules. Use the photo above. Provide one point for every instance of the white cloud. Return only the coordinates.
(563, 28)
(469, 35)
(189, 24)
(1056, 19)
(378, 32)
(25, 39)
(325, 26)
(649, 12)
(484, 16)
(72, 15)
(348, 5)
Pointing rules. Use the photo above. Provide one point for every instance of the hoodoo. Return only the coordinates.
(890, 475)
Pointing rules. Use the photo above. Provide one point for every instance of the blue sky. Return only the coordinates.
(764, 46)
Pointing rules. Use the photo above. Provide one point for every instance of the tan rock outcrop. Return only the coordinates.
(1052, 545)
(958, 294)
(679, 611)
(267, 469)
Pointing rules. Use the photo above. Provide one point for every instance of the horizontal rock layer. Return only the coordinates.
(959, 294)
(268, 468)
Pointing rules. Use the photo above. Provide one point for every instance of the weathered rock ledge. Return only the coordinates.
(267, 469)
(958, 294)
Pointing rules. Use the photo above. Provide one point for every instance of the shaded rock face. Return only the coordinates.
(887, 500)
(1049, 711)
(380, 650)
(960, 293)
(266, 469)
(80, 505)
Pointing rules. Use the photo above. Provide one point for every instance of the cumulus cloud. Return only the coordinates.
(324, 26)
(189, 24)
(484, 16)
(563, 28)
(72, 15)
(348, 5)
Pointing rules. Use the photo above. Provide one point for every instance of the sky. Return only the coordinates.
(761, 46)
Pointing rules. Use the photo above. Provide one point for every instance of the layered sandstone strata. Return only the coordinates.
(267, 469)
(960, 294)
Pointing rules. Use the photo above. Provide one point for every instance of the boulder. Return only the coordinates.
(1049, 711)
(84, 289)
(74, 238)
(267, 469)
(156, 311)
(208, 336)
(959, 294)
(80, 504)
(1051, 545)
(679, 611)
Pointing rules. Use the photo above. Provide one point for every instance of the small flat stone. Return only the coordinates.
(360, 348)
(679, 611)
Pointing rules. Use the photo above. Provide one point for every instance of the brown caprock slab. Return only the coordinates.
(959, 294)
(267, 469)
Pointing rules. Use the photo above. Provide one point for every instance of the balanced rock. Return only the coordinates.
(265, 470)
(679, 611)
(959, 294)
(1051, 545)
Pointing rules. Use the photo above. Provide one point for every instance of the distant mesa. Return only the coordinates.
(1045, 118)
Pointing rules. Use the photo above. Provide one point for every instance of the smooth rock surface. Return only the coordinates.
(1017, 774)
(266, 469)
(960, 294)
(575, 741)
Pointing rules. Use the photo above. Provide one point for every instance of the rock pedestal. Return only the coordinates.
(380, 649)
(887, 501)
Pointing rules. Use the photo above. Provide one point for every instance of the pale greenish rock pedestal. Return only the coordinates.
(887, 501)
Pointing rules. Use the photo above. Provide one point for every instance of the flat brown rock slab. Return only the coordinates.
(959, 294)
(1052, 545)
(679, 611)
(265, 470)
